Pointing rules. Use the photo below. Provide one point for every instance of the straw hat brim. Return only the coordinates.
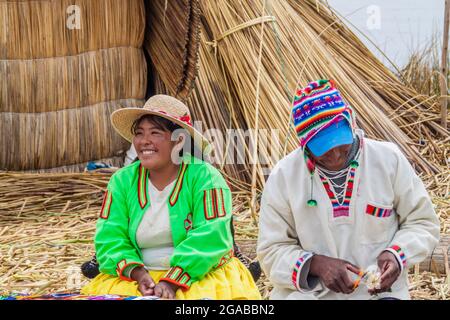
(123, 119)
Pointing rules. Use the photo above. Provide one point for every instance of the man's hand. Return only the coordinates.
(390, 271)
(166, 290)
(333, 273)
(146, 285)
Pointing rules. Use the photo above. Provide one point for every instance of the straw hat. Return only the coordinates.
(164, 106)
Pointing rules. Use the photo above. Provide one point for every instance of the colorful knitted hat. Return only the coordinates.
(318, 106)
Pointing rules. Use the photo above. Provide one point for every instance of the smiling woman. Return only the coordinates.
(159, 141)
(156, 148)
(163, 207)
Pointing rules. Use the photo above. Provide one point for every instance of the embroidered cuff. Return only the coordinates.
(399, 255)
(176, 275)
(300, 277)
(127, 272)
(124, 266)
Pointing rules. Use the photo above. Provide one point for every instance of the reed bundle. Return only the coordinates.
(300, 42)
(54, 139)
(208, 103)
(413, 110)
(172, 40)
(38, 29)
(43, 85)
(422, 71)
(293, 50)
(61, 82)
(50, 192)
(213, 106)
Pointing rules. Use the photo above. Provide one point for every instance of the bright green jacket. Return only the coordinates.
(200, 212)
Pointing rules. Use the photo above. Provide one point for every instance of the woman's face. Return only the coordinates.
(153, 145)
(335, 159)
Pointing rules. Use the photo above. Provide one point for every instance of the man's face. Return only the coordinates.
(335, 159)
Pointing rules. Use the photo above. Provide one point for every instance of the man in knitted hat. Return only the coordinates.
(343, 216)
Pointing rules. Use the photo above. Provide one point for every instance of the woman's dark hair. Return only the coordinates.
(169, 126)
(159, 122)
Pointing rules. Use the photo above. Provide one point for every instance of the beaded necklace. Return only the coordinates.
(334, 177)
(340, 208)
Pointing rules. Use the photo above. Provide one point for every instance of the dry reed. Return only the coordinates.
(214, 106)
(43, 85)
(53, 139)
(60, 84)
(416, 110)
(172, 40)
(422, 71)
(47, 223)
(225, 90)
(38, 29)
(311, 55)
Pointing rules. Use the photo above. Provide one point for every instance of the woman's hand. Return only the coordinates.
(146, 285)
(333, 273)
(166, 290)
(390, 271)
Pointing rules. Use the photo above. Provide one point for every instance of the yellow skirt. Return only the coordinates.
(232, 281)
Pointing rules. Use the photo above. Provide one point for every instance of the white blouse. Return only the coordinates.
(154, 235)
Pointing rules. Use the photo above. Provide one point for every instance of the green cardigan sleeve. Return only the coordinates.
(209, 243)
(113, 246)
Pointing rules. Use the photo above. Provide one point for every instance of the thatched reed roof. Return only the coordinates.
(60, 138)
(36, 29)
(60, 83)
(172, 39)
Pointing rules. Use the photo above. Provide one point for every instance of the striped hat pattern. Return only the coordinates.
(316, 107)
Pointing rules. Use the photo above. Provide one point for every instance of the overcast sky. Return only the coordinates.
(396, 26)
